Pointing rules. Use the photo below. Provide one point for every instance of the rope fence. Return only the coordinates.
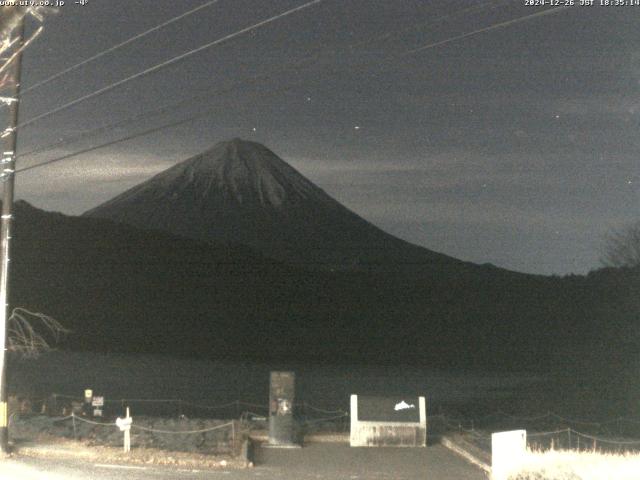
(461, 422)
(476, 433)
(545, 434)
(182, 432)
(553, 439)
(229, 425)
(315, 418)
(313, 415)
(236, 408)
(91, 422)
(108, 433)
(621, 431)
(328, 419)
(307, 407)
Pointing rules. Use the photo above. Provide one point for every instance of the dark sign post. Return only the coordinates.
(86, 405)
(281, 398)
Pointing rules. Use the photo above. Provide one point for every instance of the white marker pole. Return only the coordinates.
(124, 424)
(127, 434)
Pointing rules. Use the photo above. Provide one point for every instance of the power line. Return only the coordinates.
(492, 4)
(485, 29)
(314, 54)
(20, 49)
(148, 131)
(204, 114)
(118, 46)
(143, 133)
(167, 108)
(165, 64)
(114, 142)
(130, 137)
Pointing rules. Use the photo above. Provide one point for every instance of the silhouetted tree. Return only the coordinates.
(29, 334)
(622, 247)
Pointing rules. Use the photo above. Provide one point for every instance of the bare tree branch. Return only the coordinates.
(622, 247)
(29, 334)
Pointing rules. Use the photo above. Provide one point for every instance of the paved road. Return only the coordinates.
(316, 461)
(338, 461)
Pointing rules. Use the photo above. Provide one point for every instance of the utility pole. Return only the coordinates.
(7, 173)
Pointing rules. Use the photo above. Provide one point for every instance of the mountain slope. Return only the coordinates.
(241, 192)
(119, 288)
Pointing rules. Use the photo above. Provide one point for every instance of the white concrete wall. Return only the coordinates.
(508, 453)
(396, 434)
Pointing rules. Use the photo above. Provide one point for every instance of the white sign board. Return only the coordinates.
(97, 402)
(388, 421)
(508, 453)
(97, 412)
(124, 423)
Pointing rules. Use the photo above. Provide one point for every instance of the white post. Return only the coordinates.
(422, 402)
(353, 436)
(124, 424)
(508, 453)
(127, 434)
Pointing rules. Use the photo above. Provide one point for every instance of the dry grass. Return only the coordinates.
(56, 448)
(574, 465)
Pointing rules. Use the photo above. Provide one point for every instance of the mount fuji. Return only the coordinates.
(240, 192)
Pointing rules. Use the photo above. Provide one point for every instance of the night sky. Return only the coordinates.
(516, 146)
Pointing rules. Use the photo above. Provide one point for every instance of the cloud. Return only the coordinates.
(76, 185)
(604, 104)
(563, 103)
(548, 193)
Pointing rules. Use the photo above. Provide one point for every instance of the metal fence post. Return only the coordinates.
(233, 436)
